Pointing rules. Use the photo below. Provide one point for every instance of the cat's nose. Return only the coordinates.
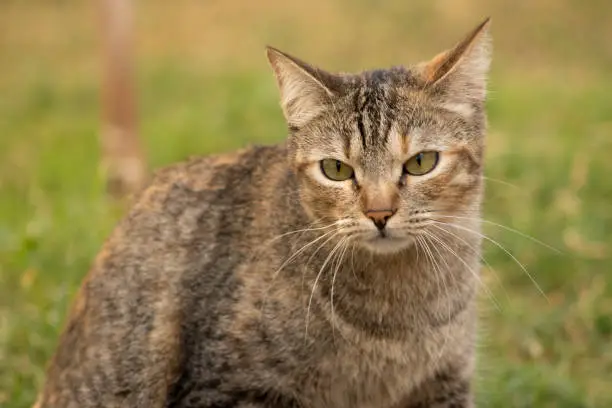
(380, 217)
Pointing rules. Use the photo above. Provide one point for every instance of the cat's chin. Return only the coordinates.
(387, 245)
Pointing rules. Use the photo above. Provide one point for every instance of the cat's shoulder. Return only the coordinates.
(207, 173)
(180, 199)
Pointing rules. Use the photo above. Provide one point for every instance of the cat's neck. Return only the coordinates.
(392, 294)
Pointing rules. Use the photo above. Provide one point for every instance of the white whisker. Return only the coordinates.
(305, 247)
(501, 182)
(338, 263)
(442, 275)
(522, 234)
(353, 261)
(314, 285)
(293, 256)
(437, 272)
(477, 253)
(473, 272)
(316, 251)
(500, 246)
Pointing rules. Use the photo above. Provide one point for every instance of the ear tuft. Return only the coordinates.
(304, 89)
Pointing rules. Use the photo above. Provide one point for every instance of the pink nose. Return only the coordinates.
(380, 217)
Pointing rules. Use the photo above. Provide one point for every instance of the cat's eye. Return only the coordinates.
(336, 170)
(421, 163)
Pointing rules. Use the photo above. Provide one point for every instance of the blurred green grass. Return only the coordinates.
(204, 87)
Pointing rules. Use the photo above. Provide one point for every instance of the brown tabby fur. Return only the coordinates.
(213, 292)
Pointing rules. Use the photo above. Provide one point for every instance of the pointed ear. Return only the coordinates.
(305, 91)
(461, 72)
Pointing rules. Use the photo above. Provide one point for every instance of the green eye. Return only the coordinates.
(336, 170)
(421, 163)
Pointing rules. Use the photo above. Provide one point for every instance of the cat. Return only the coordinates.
(337, 269)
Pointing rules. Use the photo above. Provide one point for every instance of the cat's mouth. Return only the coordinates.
(385, 237)
(385, 242)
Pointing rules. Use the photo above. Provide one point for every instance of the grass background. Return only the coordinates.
(204, 86)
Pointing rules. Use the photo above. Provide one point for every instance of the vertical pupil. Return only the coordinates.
(419, 158)
(338, 165)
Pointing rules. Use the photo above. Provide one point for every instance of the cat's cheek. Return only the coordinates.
(455, 189)
(324, 198)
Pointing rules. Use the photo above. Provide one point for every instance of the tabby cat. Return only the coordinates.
(336, 270)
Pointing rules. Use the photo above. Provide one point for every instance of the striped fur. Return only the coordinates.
(223, 288)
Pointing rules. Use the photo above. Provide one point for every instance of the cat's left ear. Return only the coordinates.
(461, 72)
(305, 90)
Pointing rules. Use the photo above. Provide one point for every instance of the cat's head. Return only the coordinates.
(383, 154)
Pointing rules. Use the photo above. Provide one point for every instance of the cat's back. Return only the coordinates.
(214, 196)
(205, 211)
(204, 206)
(227, 179)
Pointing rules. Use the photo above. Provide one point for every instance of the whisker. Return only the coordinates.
(353, 261)
(309, 227)
(331, 234)
(338, 231)
(416, 247)
(437, 267)
(316, 251)
(500, 246)
(353, 246)
(429, 255)
(300, 230)
(476, 252)
(314, 285)
(305, 247)
(474, 273)
(501, 182)
(442, 275)
(338, 262)
(522, 234)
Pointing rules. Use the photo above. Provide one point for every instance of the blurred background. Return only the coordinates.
(202, 84)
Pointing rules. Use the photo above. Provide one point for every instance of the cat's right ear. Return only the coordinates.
(305, 90)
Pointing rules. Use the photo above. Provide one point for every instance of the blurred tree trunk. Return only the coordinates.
(122, 163)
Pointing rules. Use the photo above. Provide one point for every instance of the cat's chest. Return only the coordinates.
(373, 374)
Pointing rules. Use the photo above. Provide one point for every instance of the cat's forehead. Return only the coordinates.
(390, 116)
(398, 144)
(394, 77)
(375, 107)
(383, 117)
